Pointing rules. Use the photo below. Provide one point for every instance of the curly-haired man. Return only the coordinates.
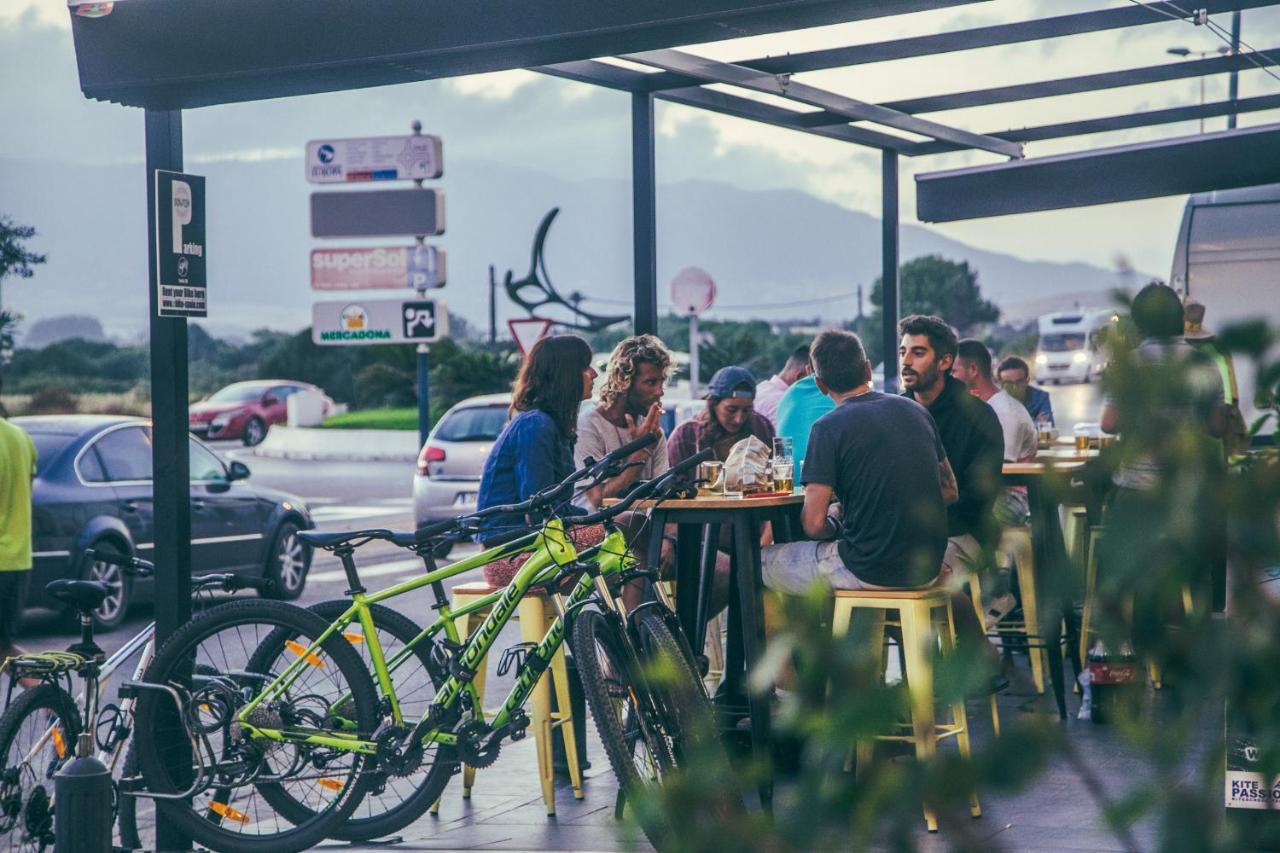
(630, 406)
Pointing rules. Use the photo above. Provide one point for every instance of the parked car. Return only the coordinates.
(93, 490)
(447, 479)
(246, 410)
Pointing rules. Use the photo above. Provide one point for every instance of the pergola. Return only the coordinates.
(169, 55)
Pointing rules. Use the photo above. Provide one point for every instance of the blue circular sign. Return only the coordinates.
(325, 153)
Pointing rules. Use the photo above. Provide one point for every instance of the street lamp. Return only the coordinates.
(1200, 54)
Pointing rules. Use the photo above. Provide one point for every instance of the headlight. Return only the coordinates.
(1080, 357)
(1041, 358)
(220, 421)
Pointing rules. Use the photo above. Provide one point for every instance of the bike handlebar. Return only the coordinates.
(145, 568)
(601, 470)
(658, 485)
(132, 565)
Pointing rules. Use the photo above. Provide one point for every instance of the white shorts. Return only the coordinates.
(794, 567)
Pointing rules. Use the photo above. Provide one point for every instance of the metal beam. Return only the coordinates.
(1119, 122)
(889, 307)
(947, 42)
(1211, 161)
(597, 74)
(712, 71)
(1085, 83)
(644, 223)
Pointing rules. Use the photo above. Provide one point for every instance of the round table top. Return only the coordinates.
(722, 503)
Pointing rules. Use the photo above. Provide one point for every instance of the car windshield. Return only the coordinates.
(474, 423)
(238, 394)
(1062, 342)
(48, 446)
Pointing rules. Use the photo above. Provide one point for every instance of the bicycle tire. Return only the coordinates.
(127, 811)
(197, 819)
(621, 725)
(373, 818)
(26, 817)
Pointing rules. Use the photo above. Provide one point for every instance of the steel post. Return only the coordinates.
(889, 267)
(644, 223)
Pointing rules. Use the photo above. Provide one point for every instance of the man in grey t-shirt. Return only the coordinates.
(630, 405)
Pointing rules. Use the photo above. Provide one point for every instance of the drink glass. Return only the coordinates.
(782, 477)
(783, 448)
(1082, 434)
(710, 476)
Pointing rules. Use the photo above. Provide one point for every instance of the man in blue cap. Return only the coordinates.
(729, 417)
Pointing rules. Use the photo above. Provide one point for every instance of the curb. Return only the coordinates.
(339, 445)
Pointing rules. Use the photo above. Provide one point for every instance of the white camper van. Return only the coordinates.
(1072, 346)
(1228, 258)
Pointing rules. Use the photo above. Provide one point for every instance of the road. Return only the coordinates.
(1073, 404)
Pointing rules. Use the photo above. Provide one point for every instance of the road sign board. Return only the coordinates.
(180, 245)
(379, 321)
(528, 331)
(377, 213)
(693, 290)
(377, 267)
(376, 158)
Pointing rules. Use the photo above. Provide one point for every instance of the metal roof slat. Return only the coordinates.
(713, 71)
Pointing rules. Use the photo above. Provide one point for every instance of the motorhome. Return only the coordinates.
(1228, 258)
(1072, 346)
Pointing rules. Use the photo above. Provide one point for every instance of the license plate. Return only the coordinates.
(465, 499)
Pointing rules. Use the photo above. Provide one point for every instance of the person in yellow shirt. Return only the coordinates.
(17, 468)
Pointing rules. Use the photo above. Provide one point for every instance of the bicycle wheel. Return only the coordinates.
(135, 816)
(331, 697)
(638, 751)
(395, 800)
(37, 736)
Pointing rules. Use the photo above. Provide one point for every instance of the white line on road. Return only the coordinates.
(395, 567)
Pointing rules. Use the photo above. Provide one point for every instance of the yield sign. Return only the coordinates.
(528, 332)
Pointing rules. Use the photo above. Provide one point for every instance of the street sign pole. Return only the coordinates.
(693, 355)
(424, 353)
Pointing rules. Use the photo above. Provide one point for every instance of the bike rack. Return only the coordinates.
(201, 770)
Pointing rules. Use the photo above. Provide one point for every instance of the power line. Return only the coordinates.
(821, 300)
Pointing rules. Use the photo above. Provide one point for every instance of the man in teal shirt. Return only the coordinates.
(17, 467)
(800, 406)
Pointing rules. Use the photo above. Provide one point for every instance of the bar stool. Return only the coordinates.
(535, 612)
(1015, 545)
(917, 611)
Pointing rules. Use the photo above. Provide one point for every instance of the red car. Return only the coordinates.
(246, 410)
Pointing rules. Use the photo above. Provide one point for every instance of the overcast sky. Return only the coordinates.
(570, 129)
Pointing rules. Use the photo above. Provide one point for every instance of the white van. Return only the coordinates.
(1228, 258)
(1072, 346)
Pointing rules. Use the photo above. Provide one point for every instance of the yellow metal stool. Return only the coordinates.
(535, 612)
(1015, 544)
(917, 611)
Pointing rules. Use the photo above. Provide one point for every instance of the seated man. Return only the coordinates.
(1015, 377)
(798, 410)
(769, 392)
(973, 368)
(882, 457)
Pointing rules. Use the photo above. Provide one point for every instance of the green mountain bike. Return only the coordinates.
(294, 732)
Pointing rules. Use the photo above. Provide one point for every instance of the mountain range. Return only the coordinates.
(781, 254)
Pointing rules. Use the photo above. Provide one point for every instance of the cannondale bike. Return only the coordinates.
(295, 732)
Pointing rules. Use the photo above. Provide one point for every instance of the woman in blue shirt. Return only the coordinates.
(535, 450)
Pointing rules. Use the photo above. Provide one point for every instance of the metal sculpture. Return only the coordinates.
(535, 291)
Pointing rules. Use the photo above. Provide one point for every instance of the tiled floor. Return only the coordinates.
(1057, 813)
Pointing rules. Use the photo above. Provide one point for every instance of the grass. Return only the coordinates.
(406, 418)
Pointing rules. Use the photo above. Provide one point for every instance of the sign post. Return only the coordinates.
(693, 291)
(416, 213)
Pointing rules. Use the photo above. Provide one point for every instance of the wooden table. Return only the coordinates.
(698, 522)
(1052, 562)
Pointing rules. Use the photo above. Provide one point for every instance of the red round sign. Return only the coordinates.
(693, 290)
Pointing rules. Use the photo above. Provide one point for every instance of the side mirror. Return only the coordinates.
(237, 470)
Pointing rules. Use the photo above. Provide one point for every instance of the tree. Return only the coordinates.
(934, 285)
(16, 261)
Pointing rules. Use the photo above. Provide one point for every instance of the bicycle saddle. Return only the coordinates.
(329, 541)
(84, 596)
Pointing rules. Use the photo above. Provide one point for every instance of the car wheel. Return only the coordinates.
(287, 563)
(116, 605)
(254, 432)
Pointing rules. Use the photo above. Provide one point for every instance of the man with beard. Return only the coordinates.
(630, 406)
(974, 445)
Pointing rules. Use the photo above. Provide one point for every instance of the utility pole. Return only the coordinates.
(493, 308)
(1233, 89)
(424, 350)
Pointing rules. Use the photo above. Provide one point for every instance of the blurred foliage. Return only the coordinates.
(1217, 670)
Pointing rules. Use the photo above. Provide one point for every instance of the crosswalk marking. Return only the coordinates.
(341, 512)
(392, 568)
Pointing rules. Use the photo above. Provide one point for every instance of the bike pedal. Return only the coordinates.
(515, 655)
